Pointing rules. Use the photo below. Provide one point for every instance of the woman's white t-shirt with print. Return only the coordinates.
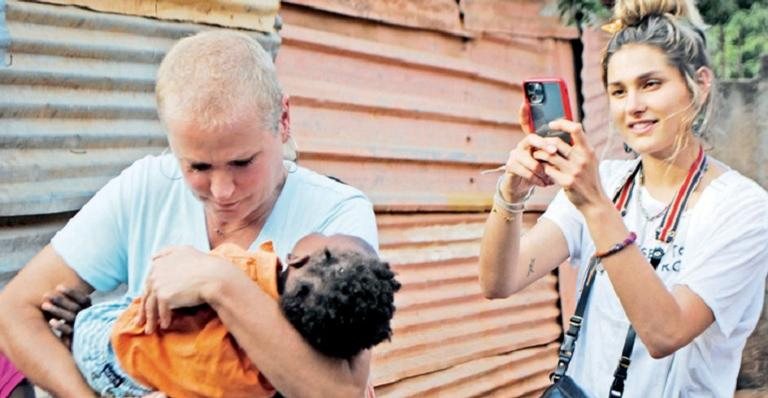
(720, 252)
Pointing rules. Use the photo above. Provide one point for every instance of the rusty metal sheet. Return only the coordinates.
(518, 374)
(607, 143)
(246, 14)
(517, 17)
(77, 103)
(441, 15)
(445, 333)
(417, 125)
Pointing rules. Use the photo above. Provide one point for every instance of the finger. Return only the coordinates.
(62, 301)
(61, 326)
(80, 297)
(164, 313)
(141, 316)
(161, 253)
(573, 128)
(557, 160)
(527, 175)
(58, 312)
(563, 148)
(54, 324)
(67, 341)
(535, 142)
(524, 116)
(150, 312)
(560, 178)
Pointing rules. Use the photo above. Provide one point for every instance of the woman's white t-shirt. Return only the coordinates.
(720, 252)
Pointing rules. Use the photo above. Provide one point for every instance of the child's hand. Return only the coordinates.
(60, 308)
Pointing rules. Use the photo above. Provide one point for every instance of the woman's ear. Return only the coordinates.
(704, 78)
(297, 262)
(285, 120)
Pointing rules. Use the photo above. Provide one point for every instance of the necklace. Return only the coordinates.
(646, 214)
(648, 217)
(221, 233)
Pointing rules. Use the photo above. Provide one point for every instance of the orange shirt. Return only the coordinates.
(196, 356)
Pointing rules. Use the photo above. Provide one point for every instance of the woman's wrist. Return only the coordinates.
(597, 211)
(505, 190)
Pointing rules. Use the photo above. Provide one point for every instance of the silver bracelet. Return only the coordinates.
(510, 207)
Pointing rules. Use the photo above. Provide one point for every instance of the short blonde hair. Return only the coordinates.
(213, 74)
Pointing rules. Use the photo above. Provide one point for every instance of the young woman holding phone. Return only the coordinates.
(678, 241)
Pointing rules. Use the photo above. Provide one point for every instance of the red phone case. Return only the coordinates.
(565, 99)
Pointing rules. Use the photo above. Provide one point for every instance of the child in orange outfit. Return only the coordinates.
(340, 298)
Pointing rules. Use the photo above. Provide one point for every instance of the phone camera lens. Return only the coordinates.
(535, 92)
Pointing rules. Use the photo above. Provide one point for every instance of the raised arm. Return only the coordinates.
(509, 262)
(25, 336)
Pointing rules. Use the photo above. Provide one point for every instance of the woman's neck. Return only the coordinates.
(663, 177)
(245, 230)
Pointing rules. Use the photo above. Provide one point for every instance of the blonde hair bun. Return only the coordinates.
(632, 12)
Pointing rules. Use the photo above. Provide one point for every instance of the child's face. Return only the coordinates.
(308, 246)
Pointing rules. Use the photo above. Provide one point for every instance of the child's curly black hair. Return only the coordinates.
(343, 302)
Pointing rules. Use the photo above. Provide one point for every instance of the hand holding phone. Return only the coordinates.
(547, 100)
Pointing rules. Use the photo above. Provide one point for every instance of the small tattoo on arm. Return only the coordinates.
(530, 266)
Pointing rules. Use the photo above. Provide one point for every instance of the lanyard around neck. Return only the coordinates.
(665, 233)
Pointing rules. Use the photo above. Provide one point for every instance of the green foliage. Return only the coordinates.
(582, 12)
(737, 38)
(738, 44)
(717, 12)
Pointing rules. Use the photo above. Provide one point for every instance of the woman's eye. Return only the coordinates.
(652, 83)
(617, 92)
(242, 163)
(200, 167)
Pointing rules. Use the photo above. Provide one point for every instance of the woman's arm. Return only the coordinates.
(184, 277)
(25, 337)
(665, 321)
(509, 262)
(278, 350)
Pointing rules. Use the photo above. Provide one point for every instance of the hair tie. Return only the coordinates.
(613, 27)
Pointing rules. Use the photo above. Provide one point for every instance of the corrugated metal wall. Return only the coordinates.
(409, 111)
(247, 14)
(596, 114)
(77, 106)
(411, 116)
(448, 340)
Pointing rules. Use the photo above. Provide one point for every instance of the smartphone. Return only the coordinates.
(547, 100)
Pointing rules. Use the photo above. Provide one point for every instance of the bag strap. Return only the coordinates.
(620, 199)
(620, 375)
(569, 338)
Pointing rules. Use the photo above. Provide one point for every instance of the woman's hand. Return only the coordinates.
(60, 307)
(575, 168)
(177, 279)
(522, 170)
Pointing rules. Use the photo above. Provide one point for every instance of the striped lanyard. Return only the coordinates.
(666, 231)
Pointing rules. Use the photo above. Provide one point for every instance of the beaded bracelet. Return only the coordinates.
(618, 247)
(510, 207)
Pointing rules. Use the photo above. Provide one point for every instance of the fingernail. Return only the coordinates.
(551, 149)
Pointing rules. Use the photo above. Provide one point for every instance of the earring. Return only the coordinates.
(627, 149)
(290, 166)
